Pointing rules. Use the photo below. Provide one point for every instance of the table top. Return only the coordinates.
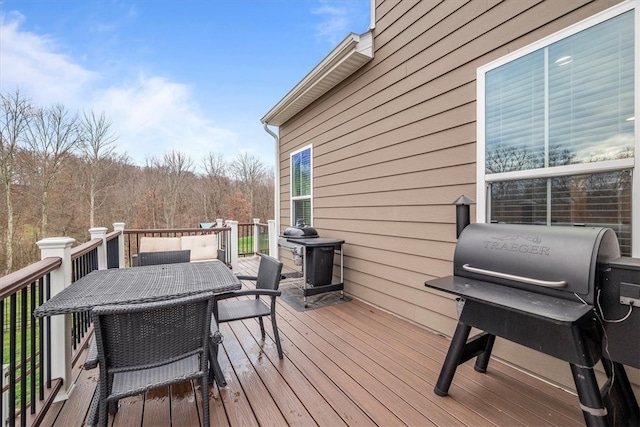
(140, 284)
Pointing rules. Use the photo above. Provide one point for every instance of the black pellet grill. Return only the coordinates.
(542, 287)
(315, 256)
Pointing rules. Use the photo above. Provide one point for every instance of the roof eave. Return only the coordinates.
(350, 55)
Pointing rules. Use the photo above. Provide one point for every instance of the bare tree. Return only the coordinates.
(217, 187)
(248, 171)
(264, 198)
(52, 136)
(97, 145)
(14, 120)
(175, 169)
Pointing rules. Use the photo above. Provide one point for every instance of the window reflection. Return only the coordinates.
(602, 199)
(569, 103)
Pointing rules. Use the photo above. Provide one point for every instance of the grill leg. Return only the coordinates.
(451, 362)
(621, 393)
(595, 414)
(483, 359)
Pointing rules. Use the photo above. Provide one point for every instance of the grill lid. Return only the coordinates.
(300, 232)
(552, 260)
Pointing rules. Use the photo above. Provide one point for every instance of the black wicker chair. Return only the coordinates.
(164, 257)
(145, 346)
(267, 283)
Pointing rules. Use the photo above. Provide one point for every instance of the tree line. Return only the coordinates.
(60, 175)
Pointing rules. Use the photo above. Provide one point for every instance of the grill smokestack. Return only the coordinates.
(462, 213)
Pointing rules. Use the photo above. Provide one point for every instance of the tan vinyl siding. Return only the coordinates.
(394, 146)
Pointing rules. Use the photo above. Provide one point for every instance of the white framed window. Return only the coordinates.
(301, 163)
(557, 137)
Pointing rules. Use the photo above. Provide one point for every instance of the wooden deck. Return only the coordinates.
(345, 364)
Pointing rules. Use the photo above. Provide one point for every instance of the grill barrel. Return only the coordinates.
(558, 261)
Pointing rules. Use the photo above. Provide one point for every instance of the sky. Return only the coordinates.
(194, 76)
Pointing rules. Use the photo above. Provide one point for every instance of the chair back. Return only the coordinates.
(138, 336)
(164, 257)
(268, 273)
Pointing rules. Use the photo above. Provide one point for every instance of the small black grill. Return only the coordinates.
(314, 255)
(538, 286)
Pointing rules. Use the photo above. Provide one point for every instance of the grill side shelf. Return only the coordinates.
(539, 305)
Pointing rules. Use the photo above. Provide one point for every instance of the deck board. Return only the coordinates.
(347, 364)
(507, 386)
(421, 364)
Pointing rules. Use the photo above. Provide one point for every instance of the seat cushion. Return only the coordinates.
(203, 248)
(241, 309)
(158, 244)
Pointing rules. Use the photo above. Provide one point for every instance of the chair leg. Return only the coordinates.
(92, 417)
(103, 413)
(218, 375)
(261, 327)
(215, 372)
(204, 384)
(276, 335)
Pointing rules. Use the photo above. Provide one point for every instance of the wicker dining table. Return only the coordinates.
(143, 284)
(140, 284)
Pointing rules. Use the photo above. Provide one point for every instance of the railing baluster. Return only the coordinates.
(41, 285)
(48, 334)
(2, 318)
(23, 356)
(12, 359)
(32, 348)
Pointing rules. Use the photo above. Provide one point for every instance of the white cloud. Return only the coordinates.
(30, 62)
(337, 19)
(150, 115)
(617, 146)
(153, 116)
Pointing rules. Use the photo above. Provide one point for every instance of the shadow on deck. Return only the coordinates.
(345, 364)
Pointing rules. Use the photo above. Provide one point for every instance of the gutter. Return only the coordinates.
(276, 184)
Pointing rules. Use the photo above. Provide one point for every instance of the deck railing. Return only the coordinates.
(133, 235)
(235, 239)
(253, 238)
(31, 347)
(26, 372)
(39, 353)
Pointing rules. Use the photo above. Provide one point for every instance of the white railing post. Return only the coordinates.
(273, 239)
(219, 223)
(119, 226)
(256, 236)
(60, 350)
(100, 233)
(233, 244)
